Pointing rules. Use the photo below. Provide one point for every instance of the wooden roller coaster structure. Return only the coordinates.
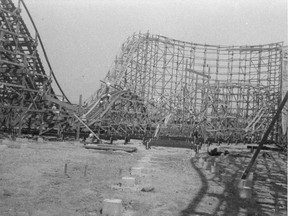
(157, 87)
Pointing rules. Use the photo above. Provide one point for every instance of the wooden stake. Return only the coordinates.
(85, 170)
(79, 114)
(65, 169)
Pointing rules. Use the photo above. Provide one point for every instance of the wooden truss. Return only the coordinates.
(222, 92)
(24, 84)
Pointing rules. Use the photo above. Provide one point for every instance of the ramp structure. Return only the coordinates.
(24, 83)
(157, 87)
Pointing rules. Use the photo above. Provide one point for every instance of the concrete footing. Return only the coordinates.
(193, 154)
(225, 177)
(2, 147)
(201, 161)
(128, 181)
(14, 145)
(241, 183)
(146, 157)
(205, 165)
(249, 181)
(112, 207)
(245, 191)
(145, 160)
(213, 169)
(136, 170)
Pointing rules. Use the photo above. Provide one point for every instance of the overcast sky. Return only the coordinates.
(82, 37)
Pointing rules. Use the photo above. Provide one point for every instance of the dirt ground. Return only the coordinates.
(33, 182)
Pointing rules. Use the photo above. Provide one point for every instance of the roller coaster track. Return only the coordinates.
(160, 87)
(223, 92)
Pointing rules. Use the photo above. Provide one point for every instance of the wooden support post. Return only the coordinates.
(65, 169)
(79, 114)
(85, 170)
(21, 116)
(41, 125)
(265, 136)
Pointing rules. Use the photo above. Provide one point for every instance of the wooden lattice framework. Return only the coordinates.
(160, 87)
(225, 92)
(24, 84)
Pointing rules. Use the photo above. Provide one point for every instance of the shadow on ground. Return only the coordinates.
(219, 193)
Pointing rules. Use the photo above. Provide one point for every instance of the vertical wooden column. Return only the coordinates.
(172, 81)
(217, 89)
(164, 69)
(144, 71)
(150, 70)
(229, 88)
(203, 89)
(41, 125)
(137, 78)
(176, 77)
(245, 90)
(22, 111)
(79, 114)
(60, 131)
(250, 101)
(154, 70)
(183, 81)
(238, 97)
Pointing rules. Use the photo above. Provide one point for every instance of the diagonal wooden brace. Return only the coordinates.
(265, 136)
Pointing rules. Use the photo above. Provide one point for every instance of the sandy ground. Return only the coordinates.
(33, 182)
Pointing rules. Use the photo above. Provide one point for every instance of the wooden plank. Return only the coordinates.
(86, 126)
(12, 63)
(12, 85)
(273, 148)
(199, 73)
(111, 147)
(61, 103)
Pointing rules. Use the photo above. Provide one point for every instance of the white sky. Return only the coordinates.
(82, 37)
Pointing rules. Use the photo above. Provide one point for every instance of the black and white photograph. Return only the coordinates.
(143, 107)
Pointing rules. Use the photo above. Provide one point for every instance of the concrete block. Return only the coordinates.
(6, 141)
(147, 157)
(2, 147)
(241, 183)
(24, 145)
(245, 192)
(22, 214)
(205, 165)
(145, 160)
(201, 161)
(225, 177)
(249, 182)
(147, 170)
(112, 207)
(40, 140)
(136, 170)
(193, 154)
(14, 145)
(128, 181)
(213, 169)
(92, 214)
(250, 176)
